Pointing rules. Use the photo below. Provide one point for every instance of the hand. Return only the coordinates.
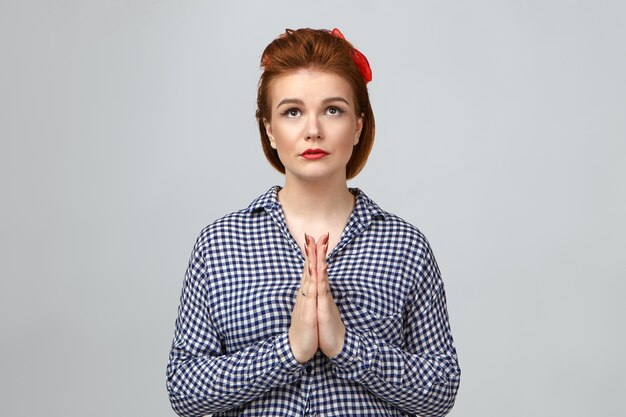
(315, 320)
(303, 338)
(330, 328)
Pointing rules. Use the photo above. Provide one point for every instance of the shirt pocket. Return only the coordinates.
(358, 311)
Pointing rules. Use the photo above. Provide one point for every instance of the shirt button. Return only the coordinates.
(308, 368)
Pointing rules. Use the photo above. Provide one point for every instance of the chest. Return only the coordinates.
(252, 288)
(297, 230)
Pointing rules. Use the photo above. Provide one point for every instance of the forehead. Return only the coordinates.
(309, 85)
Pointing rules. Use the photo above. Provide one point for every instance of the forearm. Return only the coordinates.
(422, 384)
(210, 384)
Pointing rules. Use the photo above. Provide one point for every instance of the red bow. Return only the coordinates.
(359, 59)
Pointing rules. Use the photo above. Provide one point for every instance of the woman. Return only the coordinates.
(313, 300)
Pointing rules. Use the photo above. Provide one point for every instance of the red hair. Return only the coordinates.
(319, 50)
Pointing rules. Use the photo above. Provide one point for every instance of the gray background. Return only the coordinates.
(126, 127)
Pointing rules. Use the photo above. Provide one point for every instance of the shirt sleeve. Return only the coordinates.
(423, 376)
(201, 379)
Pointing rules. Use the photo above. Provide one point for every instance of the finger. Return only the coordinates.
(321, 249)
(323, 288)
(306, 276)
(322, 267)
(306, 273)
(312, 247)
(312, 283)
(304, 282)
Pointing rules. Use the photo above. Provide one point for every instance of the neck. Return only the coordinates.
(316, 199)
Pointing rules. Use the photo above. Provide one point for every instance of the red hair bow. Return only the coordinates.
(359, 59)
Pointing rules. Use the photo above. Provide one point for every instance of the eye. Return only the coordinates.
(334, 111)
(292, 112)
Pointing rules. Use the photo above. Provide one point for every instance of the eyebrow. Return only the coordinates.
(300, 102)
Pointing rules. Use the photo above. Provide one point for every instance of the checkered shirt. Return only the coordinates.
(231, 356)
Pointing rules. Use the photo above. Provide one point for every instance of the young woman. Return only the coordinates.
(313, 300)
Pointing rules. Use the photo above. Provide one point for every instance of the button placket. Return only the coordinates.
(306, 386)
(308, 368)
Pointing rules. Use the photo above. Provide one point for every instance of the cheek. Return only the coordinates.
(348, 134)
(285, 131)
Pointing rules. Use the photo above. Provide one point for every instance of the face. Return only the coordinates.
(314, 125)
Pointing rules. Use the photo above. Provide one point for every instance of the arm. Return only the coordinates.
(423, 376)
(201, 379)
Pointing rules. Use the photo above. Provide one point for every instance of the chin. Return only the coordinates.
(319, 175)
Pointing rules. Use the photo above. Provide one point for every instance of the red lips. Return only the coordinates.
(314, 154)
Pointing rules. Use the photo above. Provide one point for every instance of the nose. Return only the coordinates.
(314, 128)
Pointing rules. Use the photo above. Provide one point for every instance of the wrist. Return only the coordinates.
(333, 353)
(298, 355)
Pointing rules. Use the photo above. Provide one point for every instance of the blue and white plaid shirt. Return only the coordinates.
(231, 356)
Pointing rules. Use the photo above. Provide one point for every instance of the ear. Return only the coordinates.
(359, 128)
(268, 130)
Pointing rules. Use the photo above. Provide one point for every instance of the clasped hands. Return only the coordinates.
(315, 320)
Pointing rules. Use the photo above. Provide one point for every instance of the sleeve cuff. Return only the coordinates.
(284, 354)
(351, 361)
(363, 357)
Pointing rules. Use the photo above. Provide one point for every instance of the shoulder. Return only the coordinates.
(390, 224)
(394, 232)
(240, 223)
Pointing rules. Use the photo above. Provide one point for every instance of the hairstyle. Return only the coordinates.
(319, 50)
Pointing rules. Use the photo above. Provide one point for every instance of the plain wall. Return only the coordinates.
(127, 126)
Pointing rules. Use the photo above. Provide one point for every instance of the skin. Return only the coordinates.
(315, 320)
(314, 109)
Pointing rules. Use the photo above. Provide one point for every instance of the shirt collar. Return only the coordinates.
(365, 209)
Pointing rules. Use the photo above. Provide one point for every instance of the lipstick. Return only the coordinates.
(312, 154)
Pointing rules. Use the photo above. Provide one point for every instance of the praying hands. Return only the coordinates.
(315, 320)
